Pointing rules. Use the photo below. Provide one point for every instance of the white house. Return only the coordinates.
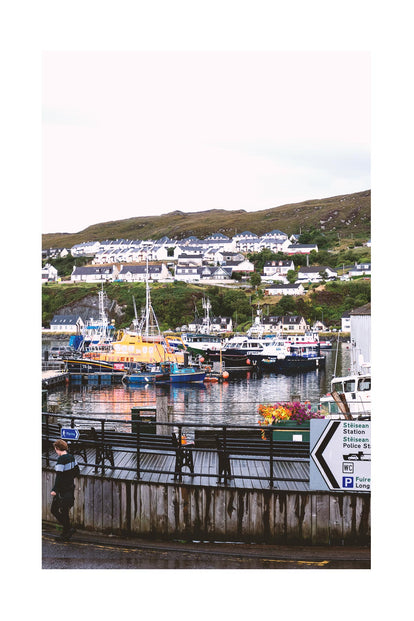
(293, 323)
(361, 269)
(247, 242)
(49, 273)
(301, 248)
(313, 273)
(187, 273)
(67, 323)
(277, 268)
(221, 324)
(138, 273)
(319, 326)
(240, 266)
(282, 289)
(285, 324)
(94, 273)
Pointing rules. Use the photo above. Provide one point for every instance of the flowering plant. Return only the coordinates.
(294, 411)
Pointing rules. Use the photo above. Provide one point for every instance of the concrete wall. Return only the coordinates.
(210, 513)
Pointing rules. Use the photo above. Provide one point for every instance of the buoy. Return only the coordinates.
(201, 359)
(225, 374)
(247, 361)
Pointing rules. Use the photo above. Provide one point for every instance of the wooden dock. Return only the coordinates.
(54, 377)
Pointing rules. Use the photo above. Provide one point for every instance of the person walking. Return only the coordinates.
(63, 489)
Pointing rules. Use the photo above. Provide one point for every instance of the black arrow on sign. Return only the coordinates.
(319, 456)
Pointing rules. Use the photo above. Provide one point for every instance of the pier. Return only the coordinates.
(143, 487)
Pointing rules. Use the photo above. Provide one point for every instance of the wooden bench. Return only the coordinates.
(234, 445)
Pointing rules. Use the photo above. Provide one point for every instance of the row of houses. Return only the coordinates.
(286, 324)
(275, 275)
(210, 249)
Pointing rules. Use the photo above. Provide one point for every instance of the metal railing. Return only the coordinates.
(136, 429)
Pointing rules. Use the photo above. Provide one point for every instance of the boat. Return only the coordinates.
(146, 376)
(182, 374)
(84, 365)
(350, 394)
(238, 351)
(280, 355)
(95, 331)
(356, 390)
(199, 342)
(143, 345)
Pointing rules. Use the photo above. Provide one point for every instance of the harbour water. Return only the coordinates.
(233, 402)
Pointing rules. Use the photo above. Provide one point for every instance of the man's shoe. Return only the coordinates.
(65, 536)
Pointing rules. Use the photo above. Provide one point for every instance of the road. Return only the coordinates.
(93, 551)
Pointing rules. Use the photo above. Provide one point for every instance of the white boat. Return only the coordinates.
(198, 343)
(95, 331)
(356, 389)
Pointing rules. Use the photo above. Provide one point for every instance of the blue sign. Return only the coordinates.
(347, 482)
(68, 433)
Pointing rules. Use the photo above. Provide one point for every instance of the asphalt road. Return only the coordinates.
(94, 551)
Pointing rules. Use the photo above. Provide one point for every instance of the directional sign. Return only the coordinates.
(68, 433)
(341, 452)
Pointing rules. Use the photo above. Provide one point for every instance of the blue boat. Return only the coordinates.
(147, 376)
(182, 375)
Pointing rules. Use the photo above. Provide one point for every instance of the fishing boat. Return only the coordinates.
(146, 376)
(356, 391)
(146, 344)
(238, 351)
(182, 374)
(96, 331)
(280, 355)
(199, 342)
(350, 393)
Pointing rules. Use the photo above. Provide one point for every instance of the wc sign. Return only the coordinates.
(340, 455)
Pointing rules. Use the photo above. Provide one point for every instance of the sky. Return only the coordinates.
(127, 134)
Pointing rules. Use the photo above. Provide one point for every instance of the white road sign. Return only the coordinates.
(342, 454)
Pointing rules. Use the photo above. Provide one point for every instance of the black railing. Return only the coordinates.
(237, 442)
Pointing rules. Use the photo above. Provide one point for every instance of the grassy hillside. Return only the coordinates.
(349, 215)
(176, 304)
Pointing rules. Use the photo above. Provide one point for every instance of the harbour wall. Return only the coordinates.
(204, 513)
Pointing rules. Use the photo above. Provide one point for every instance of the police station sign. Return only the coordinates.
(340, 455)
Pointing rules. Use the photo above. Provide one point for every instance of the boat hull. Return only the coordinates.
(289, 364)
(83, 365)
(186, 378)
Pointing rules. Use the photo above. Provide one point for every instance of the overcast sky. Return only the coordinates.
(128, 134)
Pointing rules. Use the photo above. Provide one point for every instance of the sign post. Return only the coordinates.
(69, 433)
(340, 455)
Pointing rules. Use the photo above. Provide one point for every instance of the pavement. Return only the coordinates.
(92, 550)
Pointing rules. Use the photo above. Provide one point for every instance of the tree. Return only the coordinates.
(255, 279)
(292, 276)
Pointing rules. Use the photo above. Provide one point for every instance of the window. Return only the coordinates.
(364, 383)
(349, 386)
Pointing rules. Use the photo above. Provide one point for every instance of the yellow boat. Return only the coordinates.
(135, 348)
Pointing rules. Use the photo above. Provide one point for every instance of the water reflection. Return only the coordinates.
(232, 402)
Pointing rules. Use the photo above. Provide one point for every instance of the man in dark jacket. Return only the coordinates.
(63, 488)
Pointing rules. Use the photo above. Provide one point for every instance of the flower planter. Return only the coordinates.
(291, 431)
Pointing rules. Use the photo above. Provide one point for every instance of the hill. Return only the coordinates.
(346, 214)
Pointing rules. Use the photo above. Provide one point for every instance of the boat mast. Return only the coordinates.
(206, 307)
(151, 323)
(102, 314)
